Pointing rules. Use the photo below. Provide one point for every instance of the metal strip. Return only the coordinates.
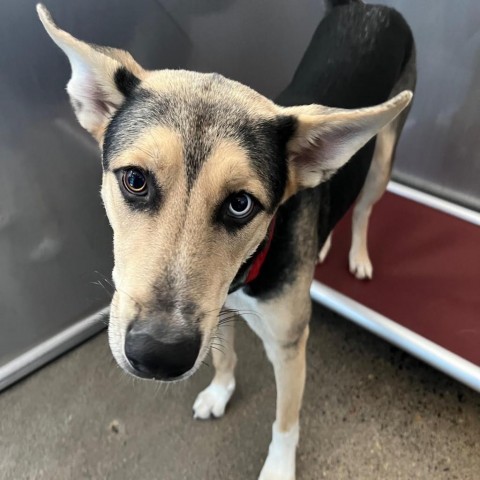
(434, 202)
(51, 348)
(431, 353)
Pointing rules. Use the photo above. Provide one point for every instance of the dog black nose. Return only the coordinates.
(161, 352)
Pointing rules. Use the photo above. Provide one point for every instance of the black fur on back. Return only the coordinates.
(340, 3)
(356, 58)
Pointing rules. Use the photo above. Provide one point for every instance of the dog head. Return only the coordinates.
(194, 169)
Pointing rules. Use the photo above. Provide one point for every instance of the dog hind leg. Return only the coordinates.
(325, 249)
(212, 401)
(373, 189)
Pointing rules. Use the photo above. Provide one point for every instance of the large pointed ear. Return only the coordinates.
(326, 138)
(101, 77)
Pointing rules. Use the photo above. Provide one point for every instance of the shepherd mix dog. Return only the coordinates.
(221, 200)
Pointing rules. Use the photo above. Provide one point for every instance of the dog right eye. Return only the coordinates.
(139, 188)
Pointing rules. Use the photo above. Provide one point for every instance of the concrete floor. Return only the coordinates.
(370, 412)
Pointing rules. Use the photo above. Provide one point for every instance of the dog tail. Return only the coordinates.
(338, 3)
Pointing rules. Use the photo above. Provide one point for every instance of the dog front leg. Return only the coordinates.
(289, 365)
(282, 325)
(212, 401)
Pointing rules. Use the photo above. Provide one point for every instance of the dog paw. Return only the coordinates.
(213, 401)
(325, 249)
(275, 472)
(360, 266)
(280, 463)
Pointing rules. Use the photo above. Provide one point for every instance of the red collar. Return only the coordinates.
(260, 257)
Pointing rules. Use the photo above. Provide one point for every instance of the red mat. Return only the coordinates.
(426, 272)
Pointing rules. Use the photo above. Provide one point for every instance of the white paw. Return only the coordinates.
(325, 249)
(213, 400)
(280, 463)
(271, 471)
(360, 265)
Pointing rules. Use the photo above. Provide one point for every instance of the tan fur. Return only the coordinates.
(179, 83)
(159, 149)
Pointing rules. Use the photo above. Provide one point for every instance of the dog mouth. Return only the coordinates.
(127, 367)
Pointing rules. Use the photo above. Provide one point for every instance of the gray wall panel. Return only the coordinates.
(440, 151)
(257, 43)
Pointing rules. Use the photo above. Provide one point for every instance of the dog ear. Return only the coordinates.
(326, 138)
(101, 77)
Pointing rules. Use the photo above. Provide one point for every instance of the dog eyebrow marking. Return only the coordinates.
(199, 123)
(202, 116)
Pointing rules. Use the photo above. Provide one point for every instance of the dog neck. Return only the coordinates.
(250, 270)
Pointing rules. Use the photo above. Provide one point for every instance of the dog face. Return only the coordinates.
(189, 200)
(194, 169)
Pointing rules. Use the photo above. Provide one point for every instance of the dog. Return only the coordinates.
(220, 200)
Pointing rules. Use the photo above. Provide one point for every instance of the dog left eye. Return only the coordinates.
(134, 181)
(240, 206)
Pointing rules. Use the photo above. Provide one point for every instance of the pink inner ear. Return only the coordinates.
(307, 149)
(306, 158)
(332, 147)
(86, 92)
(313, 156)
(323, 154)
